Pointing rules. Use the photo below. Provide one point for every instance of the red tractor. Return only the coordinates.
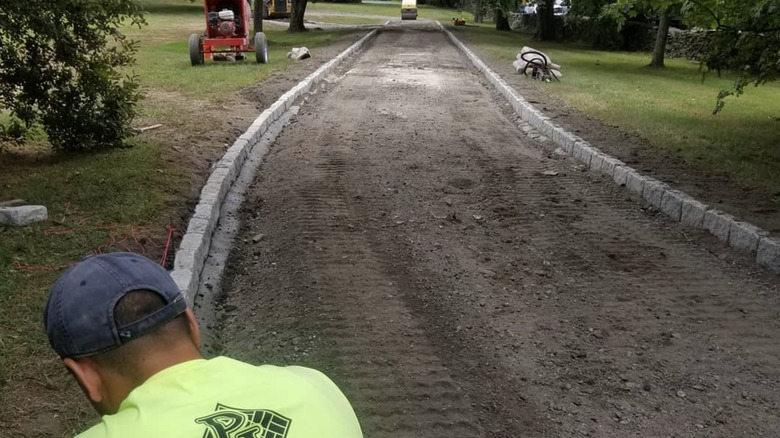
(227, 33)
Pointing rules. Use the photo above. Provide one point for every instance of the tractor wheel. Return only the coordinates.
(196, 50)
(261, 48)
(265, 12)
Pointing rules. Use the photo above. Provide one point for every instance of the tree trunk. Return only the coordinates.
(502, 23)
(478, 10)
(660, 40)
(257, 16)
(296, 16)
(545, 16)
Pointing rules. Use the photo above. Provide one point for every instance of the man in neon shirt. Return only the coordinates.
(124, 331)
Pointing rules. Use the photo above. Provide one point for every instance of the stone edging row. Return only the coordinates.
(675, 204)
(194, 246)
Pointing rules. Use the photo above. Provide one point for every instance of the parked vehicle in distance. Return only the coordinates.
(409, 10)
(560, 9)
(276, 9)
(227, 34)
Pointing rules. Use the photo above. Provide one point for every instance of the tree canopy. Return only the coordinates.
(60, 64)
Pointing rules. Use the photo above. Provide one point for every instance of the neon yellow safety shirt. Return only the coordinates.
(225, 398)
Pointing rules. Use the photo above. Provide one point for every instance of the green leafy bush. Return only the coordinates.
(59, 66)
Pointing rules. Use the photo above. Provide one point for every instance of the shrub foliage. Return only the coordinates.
(60, 64)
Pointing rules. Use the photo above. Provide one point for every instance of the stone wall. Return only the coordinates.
(637, 37)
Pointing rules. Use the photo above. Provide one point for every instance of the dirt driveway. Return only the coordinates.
(458, 280)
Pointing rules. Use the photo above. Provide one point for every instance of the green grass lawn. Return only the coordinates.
(671, 107)
(389, 9)
(164, 63)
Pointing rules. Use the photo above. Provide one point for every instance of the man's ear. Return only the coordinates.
(89, 379)
(193, 326)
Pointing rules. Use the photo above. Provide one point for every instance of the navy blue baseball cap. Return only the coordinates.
(79, 314)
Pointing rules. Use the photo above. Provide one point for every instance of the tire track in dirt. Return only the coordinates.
(415, 250)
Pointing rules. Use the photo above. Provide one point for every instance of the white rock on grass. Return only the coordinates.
(299, 53)
(24, 215)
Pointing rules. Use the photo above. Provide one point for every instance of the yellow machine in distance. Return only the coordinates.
(276, 9)
(409, 10)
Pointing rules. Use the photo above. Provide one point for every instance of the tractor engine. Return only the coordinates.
(223, 22)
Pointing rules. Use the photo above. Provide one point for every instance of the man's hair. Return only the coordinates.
(129, 309)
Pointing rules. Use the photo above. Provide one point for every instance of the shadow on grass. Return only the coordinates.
(19, 160)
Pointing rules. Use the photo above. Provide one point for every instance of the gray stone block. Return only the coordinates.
(620, 175)
(718, 223)
(225, 176)
(745, 236)
(200, 226)
(286, 99)
(609, 164)
(567, 141)
(635, 182)
(210, 193)
(586, 153)
(693, 213)
(192, 252)
(266, 118)
(221, 179)
(514, 96)
(207, 211)
(653, 192)
(672, 203)
(568, 146)
(548, 129)
(534, 118)
(576, 149)
(596, 161)
(277, 109)
(239, 146)
(517, 106)
(23, 215)
(241, 151)
(247, 137)
(194, 243)
(186, 283)
(185, 260)
(768, 254)
(230, 161)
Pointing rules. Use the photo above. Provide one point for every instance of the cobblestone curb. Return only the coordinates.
(194, 246)
(677, 205)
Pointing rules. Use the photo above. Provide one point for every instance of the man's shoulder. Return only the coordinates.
(222, 388)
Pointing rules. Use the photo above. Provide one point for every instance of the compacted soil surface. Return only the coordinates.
(458, 279)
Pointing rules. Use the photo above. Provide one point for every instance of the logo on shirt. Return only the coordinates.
(227, 422)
